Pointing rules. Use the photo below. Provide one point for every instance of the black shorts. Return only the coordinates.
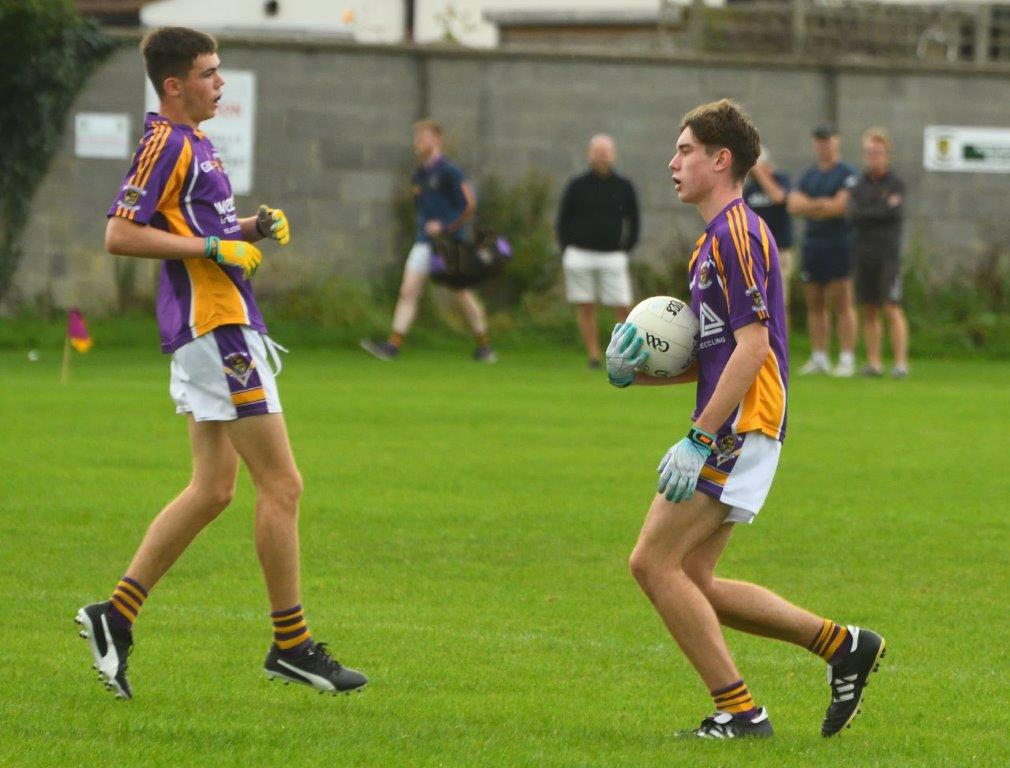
(878, 281)
(824, 265)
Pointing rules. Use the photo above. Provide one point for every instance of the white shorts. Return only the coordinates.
(225, 375)
(419, 259)
(594, 276)
(740, 473)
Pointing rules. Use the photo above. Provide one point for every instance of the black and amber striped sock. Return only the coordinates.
(735, 699)
(395, 339)
(482, 339)
(291, 632)
(832, 643)
(128, 598)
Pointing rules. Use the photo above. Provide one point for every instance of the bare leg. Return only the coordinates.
(748, 607)
(871, 335)
(898, 327)
(262, 442)
(839, 294)
(670, 533)
(817, 317)
(215, 466)
(472, 310)
(406, 304)
(586, 314)
(621, 313)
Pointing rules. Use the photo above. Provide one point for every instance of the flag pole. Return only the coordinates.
(65, 373)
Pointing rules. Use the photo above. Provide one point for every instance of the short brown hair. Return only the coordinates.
(878, 134)
(171, 51)
(724, 124)
(429, 124)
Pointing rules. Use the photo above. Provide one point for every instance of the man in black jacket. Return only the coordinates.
(876, 210)
(597, 227)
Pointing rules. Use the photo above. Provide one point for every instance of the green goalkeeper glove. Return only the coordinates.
(272, 223)
(233, 253)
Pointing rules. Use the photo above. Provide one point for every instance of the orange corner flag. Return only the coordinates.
(77, 331)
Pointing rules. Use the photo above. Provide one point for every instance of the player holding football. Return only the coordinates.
(732, 448)
(176, 205)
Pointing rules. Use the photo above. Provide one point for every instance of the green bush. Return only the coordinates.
(47, 52)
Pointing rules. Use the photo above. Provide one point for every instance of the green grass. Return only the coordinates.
(465, 536)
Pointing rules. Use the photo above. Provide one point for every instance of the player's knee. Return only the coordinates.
(216, 497)
(285, 490)
(642, 567)
(221, 496)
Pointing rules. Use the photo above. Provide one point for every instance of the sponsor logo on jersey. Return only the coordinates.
(213, 165)
(710, 322)
(225, 207)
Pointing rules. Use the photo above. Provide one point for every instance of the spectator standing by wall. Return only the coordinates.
(821, 197)
(597, 228)
(765, 191)
(876, 210)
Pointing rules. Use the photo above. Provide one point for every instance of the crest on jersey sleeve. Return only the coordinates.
(130, 199)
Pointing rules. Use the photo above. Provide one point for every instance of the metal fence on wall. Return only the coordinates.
(954, 33)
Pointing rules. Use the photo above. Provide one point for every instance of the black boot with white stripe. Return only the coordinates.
(110, 646)
(723, 725)
(848, 678)
(315, 668)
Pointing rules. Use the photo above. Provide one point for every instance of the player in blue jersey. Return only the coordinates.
(445, 204)
(731, 451)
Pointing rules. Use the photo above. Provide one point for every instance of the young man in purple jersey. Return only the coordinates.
(176, 205)
(732, 449)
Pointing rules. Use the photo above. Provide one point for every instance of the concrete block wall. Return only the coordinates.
(333, 145)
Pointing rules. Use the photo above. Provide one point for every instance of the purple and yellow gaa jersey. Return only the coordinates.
(735, 280)
(178, 184)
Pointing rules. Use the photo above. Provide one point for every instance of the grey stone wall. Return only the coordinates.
(333, 144)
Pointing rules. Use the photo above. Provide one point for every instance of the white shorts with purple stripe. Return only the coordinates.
(740, 473)
(225, 375)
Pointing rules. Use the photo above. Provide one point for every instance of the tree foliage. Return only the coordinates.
(47, 52)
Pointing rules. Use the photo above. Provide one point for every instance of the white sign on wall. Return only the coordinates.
(959, 148)
(102, 134)
(233, 129)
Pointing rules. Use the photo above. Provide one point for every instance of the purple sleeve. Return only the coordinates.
(151, 173)
(745, 275)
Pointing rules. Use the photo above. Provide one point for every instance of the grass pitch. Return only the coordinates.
(465, 536)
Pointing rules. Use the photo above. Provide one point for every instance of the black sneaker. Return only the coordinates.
(848, 677)
(316, 668)
(723, 725)
(110, 646)
(485, 354)
(381, 350)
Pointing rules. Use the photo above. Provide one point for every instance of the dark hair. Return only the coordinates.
(170, 52)
(724, 125)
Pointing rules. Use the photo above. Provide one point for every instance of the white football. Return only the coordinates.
(669, 330)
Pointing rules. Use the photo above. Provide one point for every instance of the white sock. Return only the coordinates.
(846, 358)
(819, 357)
